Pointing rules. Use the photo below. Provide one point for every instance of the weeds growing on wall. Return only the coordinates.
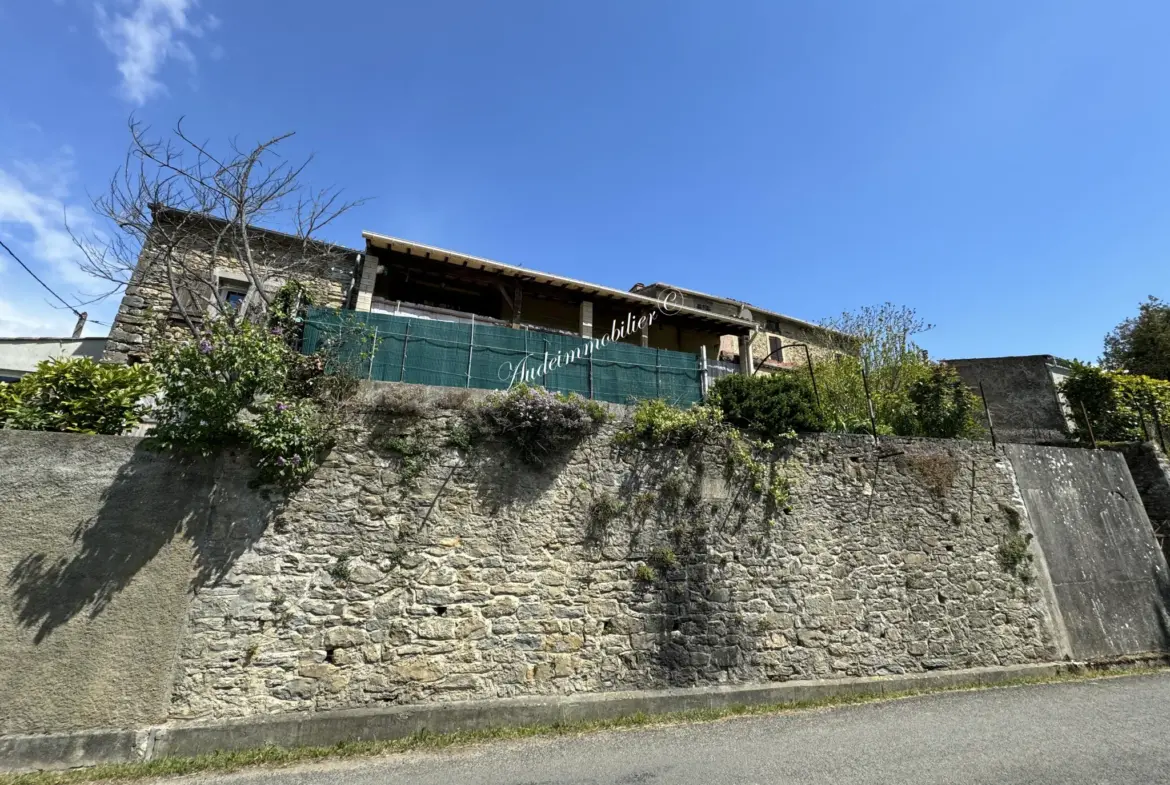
(77, 395)
(937, 472)
(656, 424)
(537, 424)
(1014, 556)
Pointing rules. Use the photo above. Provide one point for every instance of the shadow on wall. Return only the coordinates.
(153, 498)
(686, 509)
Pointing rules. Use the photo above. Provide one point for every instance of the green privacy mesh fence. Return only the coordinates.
(457, 354)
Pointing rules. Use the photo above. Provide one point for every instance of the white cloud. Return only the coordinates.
(34, 198)
(148, 34)
(32, 216)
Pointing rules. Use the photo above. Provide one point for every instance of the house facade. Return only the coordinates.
(182, 278)
(177, 285)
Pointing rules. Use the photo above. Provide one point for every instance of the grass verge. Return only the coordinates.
(430, 742)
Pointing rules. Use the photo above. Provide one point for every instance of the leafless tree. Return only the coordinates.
(179, 204)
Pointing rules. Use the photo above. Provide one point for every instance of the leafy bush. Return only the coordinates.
(1115, 402)
(77, 395)
(769, 405)
(656, 422)
(243, 385)
(914, 397)
(943, 406)
(843, 394)
(536, 423)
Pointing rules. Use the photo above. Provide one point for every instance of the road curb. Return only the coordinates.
(323, 729)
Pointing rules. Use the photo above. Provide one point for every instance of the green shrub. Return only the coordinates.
(770, 405)
(1115, 402)
(538, 424)
(656, 422)
(77, 395)
(243, 385)
(943, 406)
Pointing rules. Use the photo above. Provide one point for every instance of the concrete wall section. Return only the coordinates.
(102, 544)
(1151, 474)
(1109, 577)
(1021, 394)
(19, 356)
(95, 580)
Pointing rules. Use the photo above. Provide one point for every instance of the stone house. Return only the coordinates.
(180, 278)
(404, 277)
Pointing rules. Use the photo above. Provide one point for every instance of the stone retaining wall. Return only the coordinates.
(448, 576)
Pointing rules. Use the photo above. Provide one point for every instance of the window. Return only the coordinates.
(772, 326)
(775, 348)
(233, 294)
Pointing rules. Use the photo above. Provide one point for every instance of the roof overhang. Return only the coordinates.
(641, 302)
(753, 308)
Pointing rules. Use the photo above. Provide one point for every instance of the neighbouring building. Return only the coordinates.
(19, 356)
(1023, 395)
(775, 341)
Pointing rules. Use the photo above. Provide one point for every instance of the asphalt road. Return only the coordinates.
(1105, 731)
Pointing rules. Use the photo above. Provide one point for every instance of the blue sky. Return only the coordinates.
(1002, 167)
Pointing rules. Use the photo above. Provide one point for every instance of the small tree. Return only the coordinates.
(1141, 344)
(212, 200)
(880, 342)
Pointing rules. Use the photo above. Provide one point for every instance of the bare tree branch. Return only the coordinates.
(190, 209)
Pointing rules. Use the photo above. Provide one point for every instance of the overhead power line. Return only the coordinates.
(48, 289)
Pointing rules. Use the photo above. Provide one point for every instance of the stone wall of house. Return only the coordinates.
(410, 571)
(147, 312)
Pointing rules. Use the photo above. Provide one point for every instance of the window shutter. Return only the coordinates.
(188, 300)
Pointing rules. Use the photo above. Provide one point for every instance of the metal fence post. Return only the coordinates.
(657, 375)
(704, 382)
(1089, 425)
(470, 351)
(987, 411)
(1158, 426)
(812, 372)
(405, 342)
(373, 354)
(591, 374)
(868, 399)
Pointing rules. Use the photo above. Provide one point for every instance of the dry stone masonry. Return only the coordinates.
(410, 570)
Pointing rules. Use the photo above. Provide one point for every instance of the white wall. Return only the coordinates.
(18, 356)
